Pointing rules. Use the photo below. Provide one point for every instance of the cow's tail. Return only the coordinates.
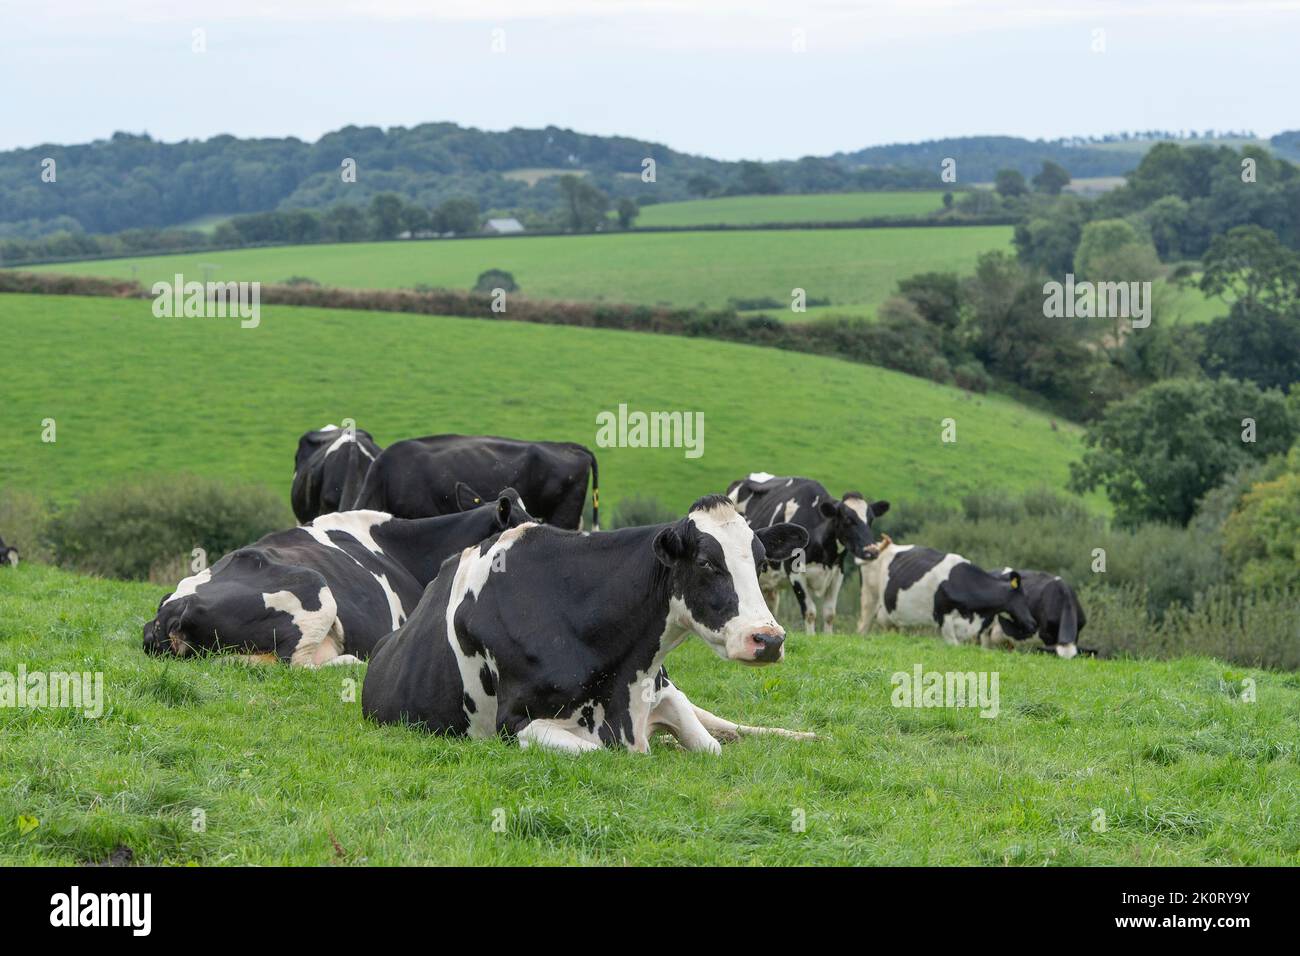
(595, 492)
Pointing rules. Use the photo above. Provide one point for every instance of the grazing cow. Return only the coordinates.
(324, 593)
(329, 469)
(416, 478)
(558, 638)
(8, 555)
(834, 528)
(909, 586)
(1056, 609)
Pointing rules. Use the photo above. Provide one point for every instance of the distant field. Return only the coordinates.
(133, 394)
(849, 266)
(820, 207)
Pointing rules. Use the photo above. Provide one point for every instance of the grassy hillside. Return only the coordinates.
(858, 266)
(819, 207)
(285, 770)
(134, 394)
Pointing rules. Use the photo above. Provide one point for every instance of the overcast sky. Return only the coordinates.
(718, 77)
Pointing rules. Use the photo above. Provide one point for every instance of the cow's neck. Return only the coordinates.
(407, 540)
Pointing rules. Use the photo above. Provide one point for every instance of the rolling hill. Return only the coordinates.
(134, 394)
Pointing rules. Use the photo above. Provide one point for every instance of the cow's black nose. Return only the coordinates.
(767, 645)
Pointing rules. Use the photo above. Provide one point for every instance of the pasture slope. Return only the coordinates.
(809, 207)
(285, 771)
(848, 266)
(133, 394)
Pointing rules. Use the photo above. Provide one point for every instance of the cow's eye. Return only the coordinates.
(708, 565)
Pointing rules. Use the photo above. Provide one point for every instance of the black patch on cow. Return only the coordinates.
(488, 680)
(906, 568)
(468, 702)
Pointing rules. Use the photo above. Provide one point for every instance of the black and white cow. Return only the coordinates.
(558, 638)
(1056, 610)
(8, 555)
(416, 478)
(834, 527)
(910, 586)
(324, 593)
(329, 469)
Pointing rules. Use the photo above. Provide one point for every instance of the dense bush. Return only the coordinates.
(1262, 537)
(24, 519)
(141, 528)
(633, 511)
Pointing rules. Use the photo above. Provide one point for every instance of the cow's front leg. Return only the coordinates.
(674, 713)
(552, 735)
(831, 600)
(799, 584)
(867, 608)
(726, 730)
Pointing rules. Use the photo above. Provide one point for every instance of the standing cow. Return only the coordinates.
(834, 527)
(324, 593)
(8, 555)
(910, 586)
(1056, 610)
(417, 478)
(559, 638)
(329, 469)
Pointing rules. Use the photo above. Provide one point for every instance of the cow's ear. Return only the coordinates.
(504, 504)
(670, 545)
(466, 497)
(828, 509)
(878, 508)
(781, 540)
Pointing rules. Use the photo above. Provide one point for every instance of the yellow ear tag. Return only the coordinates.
(478, 501)
(1015, 582)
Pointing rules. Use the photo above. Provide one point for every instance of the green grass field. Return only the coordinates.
(850, 266)
(285, 771)
(134, 394)
(819, 207)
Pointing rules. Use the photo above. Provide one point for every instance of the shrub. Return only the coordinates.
(637, 510)
(24, 520)
(1262, 538)
(493, 279)
(136, 528)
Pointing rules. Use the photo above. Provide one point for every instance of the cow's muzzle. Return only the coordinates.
(766, 645)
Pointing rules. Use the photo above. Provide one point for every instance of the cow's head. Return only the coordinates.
(1013, 607)
(713, 557)
(851, 519)
(510, 507)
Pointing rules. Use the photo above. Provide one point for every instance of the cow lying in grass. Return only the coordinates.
(910, 586)
(324, 593)
(8, 555)
(558, 638)
(1055, 608)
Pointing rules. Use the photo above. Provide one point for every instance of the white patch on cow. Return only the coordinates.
(1067, 651)
(553, 735)
(858, 506)
(472, 573)
(394, 602)
(359, 524)
(343, 440)
(960, 627)
(12, 558)
(318, 641)
(760, 477)
(673, 712)
(725, 525)
(189, 585)
(787, 513)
